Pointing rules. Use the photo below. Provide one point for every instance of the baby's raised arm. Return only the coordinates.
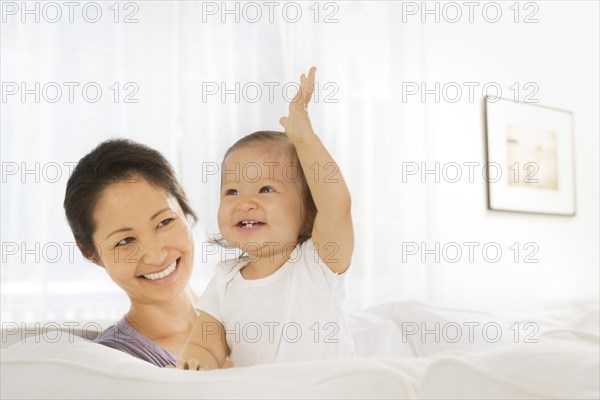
(206, 347)
(333, 232)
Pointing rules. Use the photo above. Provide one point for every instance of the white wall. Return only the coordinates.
(560, 54)
(370, 130)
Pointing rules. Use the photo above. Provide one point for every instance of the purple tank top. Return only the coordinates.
(122, 336)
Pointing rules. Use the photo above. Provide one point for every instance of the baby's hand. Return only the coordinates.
(297, 123)
(192, 364)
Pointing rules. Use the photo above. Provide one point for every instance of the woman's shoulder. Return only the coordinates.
(113, 332)
(124, 337)
(121, 335)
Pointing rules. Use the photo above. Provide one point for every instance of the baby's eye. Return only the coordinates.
(266, 189)
(165, 222)
(231, 192)
(124, 242)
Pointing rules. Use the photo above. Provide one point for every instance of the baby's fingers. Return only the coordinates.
(311, 75)
(193, 364)
(301, 99)
(283, 121)
(305, 91)
(307, 86)
(298, 100)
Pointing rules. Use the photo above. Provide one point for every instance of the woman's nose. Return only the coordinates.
(154, 253)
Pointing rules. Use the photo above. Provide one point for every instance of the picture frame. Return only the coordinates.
(530, 158)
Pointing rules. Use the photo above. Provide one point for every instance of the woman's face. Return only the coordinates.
(144, 240)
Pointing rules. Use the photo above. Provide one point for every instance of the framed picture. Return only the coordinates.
(530, 158)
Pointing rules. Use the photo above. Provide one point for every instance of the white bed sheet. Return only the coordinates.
(82, 369)
(564, 363)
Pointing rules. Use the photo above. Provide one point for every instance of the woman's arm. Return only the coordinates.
(333, 232)
(206, 347)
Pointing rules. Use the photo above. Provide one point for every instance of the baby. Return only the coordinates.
(285, 205)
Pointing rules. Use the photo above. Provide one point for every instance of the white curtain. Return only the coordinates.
(167, 66)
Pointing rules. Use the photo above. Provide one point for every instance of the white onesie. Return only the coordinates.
(294, 314)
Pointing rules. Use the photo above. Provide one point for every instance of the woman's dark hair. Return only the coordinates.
(112, 161)
(275, 138)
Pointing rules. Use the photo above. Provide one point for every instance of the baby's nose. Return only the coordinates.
(247, 204)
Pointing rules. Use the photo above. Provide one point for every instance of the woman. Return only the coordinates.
(130, 216)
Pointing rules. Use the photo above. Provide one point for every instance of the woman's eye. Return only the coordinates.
(266, 189)
(124, 242)
(231, 192)
(165, 222)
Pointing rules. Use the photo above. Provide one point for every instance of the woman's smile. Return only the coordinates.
(166, 275)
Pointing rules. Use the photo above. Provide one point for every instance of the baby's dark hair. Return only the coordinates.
(113, 161)
(271, 139)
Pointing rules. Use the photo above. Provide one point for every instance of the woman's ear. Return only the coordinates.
(90, 253)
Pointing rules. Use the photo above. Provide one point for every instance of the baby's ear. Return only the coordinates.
(89, 253)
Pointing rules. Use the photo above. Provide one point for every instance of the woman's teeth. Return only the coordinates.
(165, 272)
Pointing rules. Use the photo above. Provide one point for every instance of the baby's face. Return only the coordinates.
(261, 207)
